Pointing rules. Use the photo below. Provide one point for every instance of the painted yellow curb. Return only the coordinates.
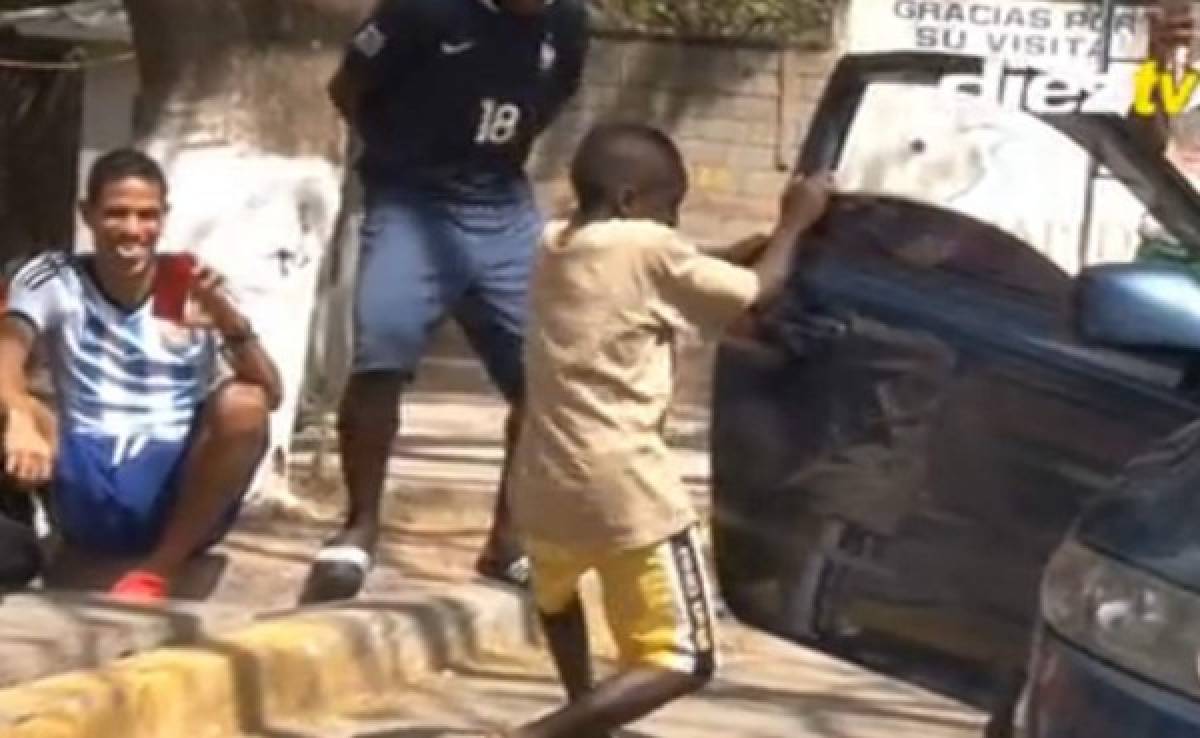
(188, 689)
(304, 665)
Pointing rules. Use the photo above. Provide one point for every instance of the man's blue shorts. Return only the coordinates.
(114, 495)
(424, 258)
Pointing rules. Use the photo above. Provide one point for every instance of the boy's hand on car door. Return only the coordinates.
(805, 199)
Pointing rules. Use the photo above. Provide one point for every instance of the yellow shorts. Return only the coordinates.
(657, 599)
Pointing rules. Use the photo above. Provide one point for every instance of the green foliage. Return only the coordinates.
(758, 19)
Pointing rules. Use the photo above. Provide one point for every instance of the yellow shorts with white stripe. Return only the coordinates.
(657, 599)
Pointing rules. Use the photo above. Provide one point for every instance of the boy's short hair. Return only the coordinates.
(624, 155)
(121, 164)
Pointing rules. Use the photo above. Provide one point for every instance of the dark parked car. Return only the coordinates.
(917, 426)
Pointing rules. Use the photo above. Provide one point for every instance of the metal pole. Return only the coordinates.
(1107, 7)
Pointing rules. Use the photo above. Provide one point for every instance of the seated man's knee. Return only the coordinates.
(240, 409)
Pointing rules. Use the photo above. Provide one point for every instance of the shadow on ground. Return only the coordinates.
(795, 695)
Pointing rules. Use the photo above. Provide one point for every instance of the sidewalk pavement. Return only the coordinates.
(79, 665)
(768, 689)
(246, 663)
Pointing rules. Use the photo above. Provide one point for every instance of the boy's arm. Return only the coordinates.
(749, 251)
(803, 203)
(697, 291)
(743, 252)
(386, 42)
(700, 290)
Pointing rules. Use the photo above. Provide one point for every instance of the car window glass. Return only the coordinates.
(1003, 167)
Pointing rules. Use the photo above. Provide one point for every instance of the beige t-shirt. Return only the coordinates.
(608, 304)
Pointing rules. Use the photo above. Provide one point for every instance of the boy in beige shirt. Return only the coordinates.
(594, 485)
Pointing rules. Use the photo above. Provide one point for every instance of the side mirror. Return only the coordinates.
(1138, 306)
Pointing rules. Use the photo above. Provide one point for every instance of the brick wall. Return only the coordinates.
(738, 113)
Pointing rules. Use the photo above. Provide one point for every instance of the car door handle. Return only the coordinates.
(803, 334)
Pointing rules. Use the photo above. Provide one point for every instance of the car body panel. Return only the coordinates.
(1076, 695)
(912, 429)
(1152, 520)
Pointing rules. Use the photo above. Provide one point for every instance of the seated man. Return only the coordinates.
(146, 455)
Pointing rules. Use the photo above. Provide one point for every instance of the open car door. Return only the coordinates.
(915, 425)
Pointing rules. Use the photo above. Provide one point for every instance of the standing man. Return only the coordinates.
(447, 97)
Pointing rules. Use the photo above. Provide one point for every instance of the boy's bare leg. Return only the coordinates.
(614, 703)
(230, 442)
(567, 636)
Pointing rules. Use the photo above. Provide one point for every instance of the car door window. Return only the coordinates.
(1006, 168)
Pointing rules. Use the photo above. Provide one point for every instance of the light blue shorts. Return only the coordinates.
(423, 259)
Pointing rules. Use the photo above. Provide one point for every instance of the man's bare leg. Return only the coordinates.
(368, 420)
(502, 548)
(229, 444)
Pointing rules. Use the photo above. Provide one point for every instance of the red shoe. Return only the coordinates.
(140, 586)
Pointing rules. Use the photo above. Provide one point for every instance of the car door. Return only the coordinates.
(910, 430)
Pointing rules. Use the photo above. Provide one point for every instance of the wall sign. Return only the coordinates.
(1045, 33)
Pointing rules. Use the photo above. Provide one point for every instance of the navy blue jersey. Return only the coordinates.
(456, 91)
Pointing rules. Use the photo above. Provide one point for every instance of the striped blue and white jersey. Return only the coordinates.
(117, 372)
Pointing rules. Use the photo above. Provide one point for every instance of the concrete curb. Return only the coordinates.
(307, 663)
(43, 633)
